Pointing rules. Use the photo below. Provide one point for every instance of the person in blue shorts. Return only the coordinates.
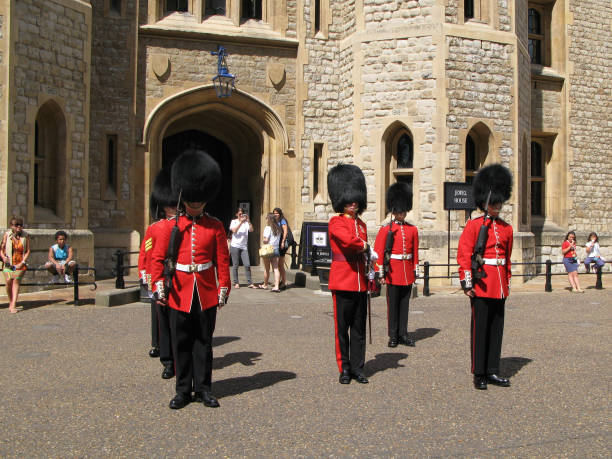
(61, 263)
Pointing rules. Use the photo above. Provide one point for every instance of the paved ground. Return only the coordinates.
(78, 382)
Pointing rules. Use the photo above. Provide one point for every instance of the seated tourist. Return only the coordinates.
(60, 262)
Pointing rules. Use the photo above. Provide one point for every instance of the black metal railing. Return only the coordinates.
(547, 272)
(76, 282)
(120, 266)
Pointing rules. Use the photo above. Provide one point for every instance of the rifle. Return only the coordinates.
(477, 257)
(172, 253)
(388, 249)
(370, 279)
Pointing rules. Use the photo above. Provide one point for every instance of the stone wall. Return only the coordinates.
(451, 11)
(590, 99)
(328, 107)
(112, 95)
(398, 81)
(51, 45)
(385, 15)
(479, 79)
(547, 113)
(4, 94)
(504, 16)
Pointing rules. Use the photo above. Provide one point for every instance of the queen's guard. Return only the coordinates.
(348, 239)
(398, 246)
(163, 206)
(483, 254)
(191, 274)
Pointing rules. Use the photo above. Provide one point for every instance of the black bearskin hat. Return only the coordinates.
(346, 184)
(495, 178)
(399, 198)
(196, 177)
(162, 195)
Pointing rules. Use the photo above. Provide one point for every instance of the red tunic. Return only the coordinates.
(405, 242)
(348, 238)
(498, 247)
(202, 241)
(146, 250)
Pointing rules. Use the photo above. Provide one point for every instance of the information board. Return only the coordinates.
(314, 237)
(458, 196)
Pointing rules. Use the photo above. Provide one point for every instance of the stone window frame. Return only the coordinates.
(386, 153)
(196, 11)
(544, 9)
(110, 191)
(319, 171)
(483, 12)
(324, 19)
(205, 6)
(400, 174)
(50, 122)
(110, 11)
(486, 144)
(538, 179)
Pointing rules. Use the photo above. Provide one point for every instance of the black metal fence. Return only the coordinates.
(76, 282)
(548, 273)
(120, 266)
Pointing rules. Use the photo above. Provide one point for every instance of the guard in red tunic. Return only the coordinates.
(347, 278)
(144, 257)
(483, 254)
(201, 282)
(162, 204)
(397, 245)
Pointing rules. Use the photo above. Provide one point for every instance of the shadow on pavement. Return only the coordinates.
(242, 384)
(423, 333)
(382, 362)
(221, 340)
(510, 366)
(245, 358)
(33, 304)
(84, 301)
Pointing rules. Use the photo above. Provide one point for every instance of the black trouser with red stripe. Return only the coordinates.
(398, 304)
(154, 325)
(487, 329)
(165, 335)
(350, 311)
(192, 346)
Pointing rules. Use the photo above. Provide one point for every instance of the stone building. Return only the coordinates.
(98, 95)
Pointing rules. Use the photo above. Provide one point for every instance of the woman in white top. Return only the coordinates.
(272, 235)
(240, 228)
(593, 254)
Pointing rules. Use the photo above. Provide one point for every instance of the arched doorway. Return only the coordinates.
(173, 145)
(254, 148)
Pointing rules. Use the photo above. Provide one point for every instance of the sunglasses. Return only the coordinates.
(20, 225)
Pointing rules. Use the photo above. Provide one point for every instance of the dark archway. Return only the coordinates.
(222, 206)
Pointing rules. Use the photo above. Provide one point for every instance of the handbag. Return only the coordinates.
(289, 240)
(266, 250)
(573, 260)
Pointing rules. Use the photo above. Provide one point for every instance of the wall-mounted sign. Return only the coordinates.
(458, 196)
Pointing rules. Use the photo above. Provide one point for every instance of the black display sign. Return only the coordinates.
(458, 196)
(314, 239)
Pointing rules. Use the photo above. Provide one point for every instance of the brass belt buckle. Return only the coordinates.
(498, 261)
(192, 268)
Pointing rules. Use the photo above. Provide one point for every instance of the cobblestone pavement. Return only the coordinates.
(78, 382)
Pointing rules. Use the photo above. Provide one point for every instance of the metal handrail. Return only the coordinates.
(75, 284)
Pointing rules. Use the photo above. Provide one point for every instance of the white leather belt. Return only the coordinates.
(494, 261)
(401, 256)
(193, 268)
